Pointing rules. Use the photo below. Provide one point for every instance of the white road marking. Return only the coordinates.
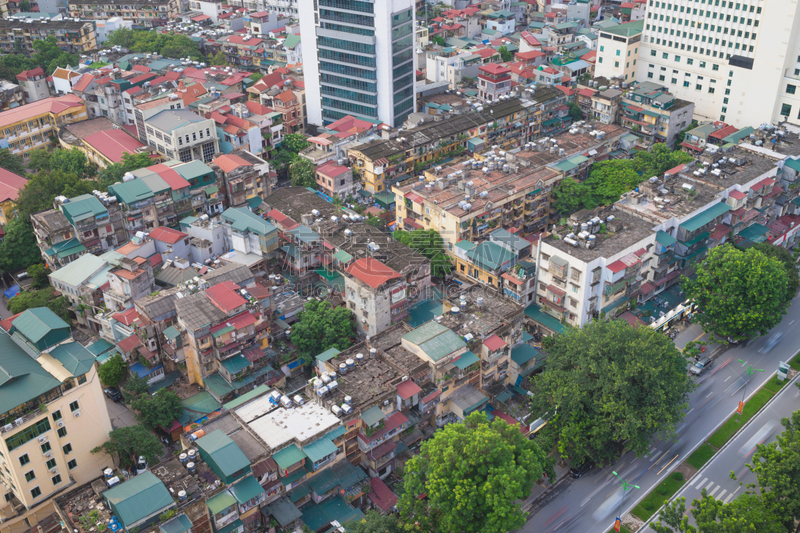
(726, 500)
(715, 490)
(710, 484)
(792, 322)
(709, 394)
(695, 478)
(721, 494)
(690, 410)
(744, 364)
(701, 483)
(726, 379)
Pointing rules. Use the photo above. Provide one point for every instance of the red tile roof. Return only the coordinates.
(200, 18)
(587, 92)
(530, 39)
(621, 264)
(25, 74)
(494, 68)
(54, 104)
(511, 421)
(494, 343)
(175, 181)
(113, 144)
(282, 219)
(141, 68)
(6, 323)
(332, 170)
(724, 132)
(230, 162)
(129, 343)
(529, 55)
(224, 296)
(372, 272)
(167, 235)
(737, 195)
(381, 495)
(10, 184)
(406, 389)
(766, 182)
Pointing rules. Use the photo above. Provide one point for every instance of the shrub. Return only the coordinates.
(648, 505)
(677, 476)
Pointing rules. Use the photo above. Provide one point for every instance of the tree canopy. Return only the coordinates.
(505, 54)
(747, 513)
(42, 188)
(159, 410)
(39, 275)
(72, 161)
(286, 154)
(469, 478)
(40, 298)
(782, 255)
(11, 162)
(374, 522)
(219, 60)
(127, 443)
(609, 387)
(575, 111)
(113, 173)
(113, 371)
(19, 249)
(740, 294)
(46, 54)
(301, 171)
(430, 244)
(321, 327)
(611, 178)
(154, 42)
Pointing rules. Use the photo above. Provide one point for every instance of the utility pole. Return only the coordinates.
(750, 371)
(625, 487)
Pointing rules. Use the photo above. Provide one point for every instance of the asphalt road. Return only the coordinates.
(590, 504)
(715, 476)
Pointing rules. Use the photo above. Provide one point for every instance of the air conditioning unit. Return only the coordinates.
(48, 454)
(60, 423)
(54, 470)
(76, 414)
(42, 439)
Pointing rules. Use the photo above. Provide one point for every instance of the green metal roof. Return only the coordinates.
(754, 232)
(243, 220)
(220, 502)
(319, 449)
(372, 416)
(197, 406)
(79, 270)
(212, 190)
(171, 333)
(535, 313)
(317, 516)
(233, 526)
(523, 353)
(225, 453)
(794, 164)
(342, 473)
(342, 256)
(627, 30)
(288, 456)
(490, 256)
(697, 238)
(131, 192)
(436, 340)
(291, 41)
(64, 249)
(305, 234)
(179, 524)
(223, 331)
(246, 489)
(22, 379)
(328, 354)
(701, 219)
(467, 358)
(83, 207)
(244, 398)
(665, 239)
(299, 492)
(76, 359)
(465, 245)
(138, 498)
(35, 324)
(737, 136)
(236, 364)
(284, 511)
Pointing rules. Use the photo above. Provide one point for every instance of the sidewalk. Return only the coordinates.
(562, 469)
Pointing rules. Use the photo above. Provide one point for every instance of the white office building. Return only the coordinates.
(358, 57)
(738, 61)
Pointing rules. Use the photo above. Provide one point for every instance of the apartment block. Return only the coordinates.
(143, 13)
(10, 95)
(182, 135)
(652, 113)
(30, 126)
(376, 294)
(17, 35)
(52, 427)
(618, 51)
(245, 178)
(335, 180)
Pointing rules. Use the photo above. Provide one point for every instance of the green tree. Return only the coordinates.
(150, 42)
(294, 142)
(71, 161)
(505, 55)
(437, 39)
(219, 60)
(657, 160)
(747, 513)
(39, 274)
(49, 55)
(681, 136)
(42, 298)
(575, 111)
(19, 249)
(571, 196)
(777, 468)
(611, 387)
(470, 477)
(301, 170)
(374, 522)
(782, 255)
(43, 187)
(322, 327)
(255, 76)
(372, 220)
(430, 244)
(128, 443)
(134, 387)
(113, 173)
(159, 410)
(609, 179)
(11, 162)
(740, 294)
(113, 371)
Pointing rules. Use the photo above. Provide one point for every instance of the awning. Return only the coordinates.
(410, 222)
(342, 256)
(467, 358)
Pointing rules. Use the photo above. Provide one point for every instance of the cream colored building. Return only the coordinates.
(54, 411)
(618, 51)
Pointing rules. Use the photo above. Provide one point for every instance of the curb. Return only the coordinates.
(733, 437)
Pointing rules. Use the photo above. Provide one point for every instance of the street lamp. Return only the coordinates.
(625, 487)
(750, 371)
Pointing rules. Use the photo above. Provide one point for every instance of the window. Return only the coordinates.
(710, 90)
(51, 464)
(45, 447)
(698, 87)
(56, 479)
(72, 464)
(661, 78)
(689, 61)
(617, 52)
(62, 432)
(616, 64)
(29, 433)
(702, 64)
(786, 110)
(665, 55)
(35, 492)
(790, 89)
(56, 415)
(600, 59)
(24, 459)
(674, 80)
(649, 74)
(74, 406)
(686, 83)
(653, 53)
(678, 58)
(602, 48)
(30, 475)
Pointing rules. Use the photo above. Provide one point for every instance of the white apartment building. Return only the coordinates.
(180, 134)
(450, 68)
(725, 57)
(359, 59)
(618, 51)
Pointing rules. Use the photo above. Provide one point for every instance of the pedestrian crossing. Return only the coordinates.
(711, 488)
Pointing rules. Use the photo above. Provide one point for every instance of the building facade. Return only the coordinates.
(618, 51)
(144, 13)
